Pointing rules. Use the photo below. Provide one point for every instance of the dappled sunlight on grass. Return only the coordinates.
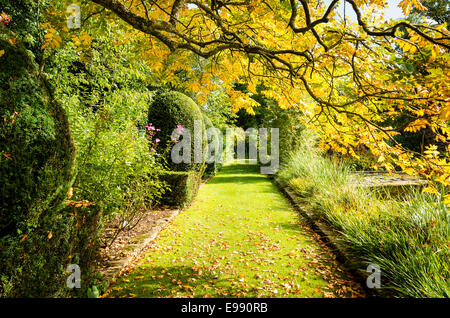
(240, 238)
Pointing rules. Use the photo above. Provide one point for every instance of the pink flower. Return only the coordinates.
(4, 18)
(180, 129)
(157, 140)
(151, 128)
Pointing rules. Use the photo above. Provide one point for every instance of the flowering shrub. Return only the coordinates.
(117, 148)
(153, 140)
(117, 168)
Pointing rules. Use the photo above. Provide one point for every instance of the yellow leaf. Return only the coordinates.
(86, 39)
(420, 112)
(2, 52)
(445, 113)
(430, 189)
(406, 47)
(431, 151)
(447, 199)
(417, 125)
(409, 171)
(406, 6)
(434, 54)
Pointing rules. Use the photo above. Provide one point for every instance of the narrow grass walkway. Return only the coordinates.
(240, 238)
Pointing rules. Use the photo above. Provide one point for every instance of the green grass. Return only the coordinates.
(240, 238)
(408, 237)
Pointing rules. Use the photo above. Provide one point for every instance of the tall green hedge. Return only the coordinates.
(212, 167)
(36, 149)
(37, 168)
(183, 187)
(169, 109)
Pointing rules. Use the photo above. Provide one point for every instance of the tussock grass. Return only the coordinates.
(408, 237)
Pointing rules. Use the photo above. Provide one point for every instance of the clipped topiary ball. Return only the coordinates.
(170, 109)
(36, 151)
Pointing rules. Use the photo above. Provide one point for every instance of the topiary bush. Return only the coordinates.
(36, 150)
(212, 167)
(170, 109)
(25, 17)
(37, 167)
(183, 187)
(33, 263)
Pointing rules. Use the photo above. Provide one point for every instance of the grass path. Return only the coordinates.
(240, 238)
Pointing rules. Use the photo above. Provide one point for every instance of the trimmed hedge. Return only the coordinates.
(169, 109)
(39, 235)
(37, 153)
(213, 167)
(183, 186)
(34, 264)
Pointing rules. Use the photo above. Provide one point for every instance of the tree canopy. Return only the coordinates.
(349, 78)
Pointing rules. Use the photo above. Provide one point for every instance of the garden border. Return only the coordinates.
(119, 266)
(329, 237)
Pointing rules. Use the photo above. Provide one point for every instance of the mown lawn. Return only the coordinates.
(240, 238)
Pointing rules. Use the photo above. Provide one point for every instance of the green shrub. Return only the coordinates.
(169, 109)
(183, 187)
(116, 167)
(37, 164)
(33, 263)
(213, 167)
(36, 150)
(25, 17)
(107, 105)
